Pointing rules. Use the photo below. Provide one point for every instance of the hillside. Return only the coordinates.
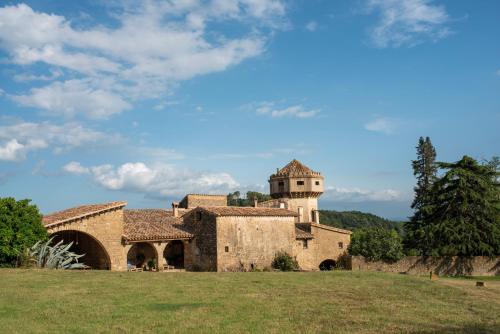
(352, 220)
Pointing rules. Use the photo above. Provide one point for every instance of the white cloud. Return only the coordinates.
(18, 139)
(76, 168)
(384, 125)
(153, 46)
(407, 22)
(298, 111)
(361, 195)
(157, 180)
(74, 97)
(312, 26)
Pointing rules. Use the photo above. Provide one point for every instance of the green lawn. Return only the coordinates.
(41, 301)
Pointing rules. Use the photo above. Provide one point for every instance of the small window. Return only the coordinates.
(300, 183)
(341, 245)
(226, 249)
(281, 183)
(304, 245)
(317, 183)
(198, 215)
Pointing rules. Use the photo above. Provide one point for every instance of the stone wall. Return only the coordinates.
(202, 250)
(324, 246)
(194, 200)
(246, 241)
(107, 229)
(474, 266)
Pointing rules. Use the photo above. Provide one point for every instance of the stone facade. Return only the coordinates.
(417, 265)
(205, 234)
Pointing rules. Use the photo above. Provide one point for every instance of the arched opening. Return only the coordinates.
(95, 256)
(327, 265)
(142, 255)
(174, 254)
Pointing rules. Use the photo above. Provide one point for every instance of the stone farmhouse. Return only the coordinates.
(203, 233)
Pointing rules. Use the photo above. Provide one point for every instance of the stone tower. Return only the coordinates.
(298, 187)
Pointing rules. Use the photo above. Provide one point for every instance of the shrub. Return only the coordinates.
(20, 228)
(284, 262)
(43, 255)
(376, 244)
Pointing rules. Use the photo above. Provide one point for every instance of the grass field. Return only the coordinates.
(41, 301)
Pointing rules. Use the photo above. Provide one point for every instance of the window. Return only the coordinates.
(226, 249)
(317, 183)
(341, 245)
(304, 245)
(281, 183)
(198, 215)
(300, 183)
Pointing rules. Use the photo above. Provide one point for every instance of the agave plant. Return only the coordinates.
(55, 257)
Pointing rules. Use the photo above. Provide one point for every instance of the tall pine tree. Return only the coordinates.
(424, 169)
(466, 210)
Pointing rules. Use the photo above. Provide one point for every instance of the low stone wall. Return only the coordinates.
(417, 265)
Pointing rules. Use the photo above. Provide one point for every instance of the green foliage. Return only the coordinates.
(20, 228)
(233, 199)
(425, 170)
(465, 217)
(43, 255)
(352, 220)
(376, 244)
(284, 262)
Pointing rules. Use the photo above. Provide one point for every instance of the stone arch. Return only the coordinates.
(140, 255)
(174, 254)
(96, 255)
(327, 265)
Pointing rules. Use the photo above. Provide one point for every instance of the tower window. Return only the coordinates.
(317, 183)
(281, 183)
(305, 244)
(300, 183)
(341, 245)
(226, 249)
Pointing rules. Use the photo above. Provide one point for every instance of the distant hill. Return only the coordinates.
(351, 220)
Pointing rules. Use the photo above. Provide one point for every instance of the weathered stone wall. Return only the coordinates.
(324, 246)
(308, 204)
(107, 229)
(193, 201)
(202, 250)
(252, 241)
(475, 266)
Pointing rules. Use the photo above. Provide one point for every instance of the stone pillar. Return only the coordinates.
(160, 248)
(188, 254)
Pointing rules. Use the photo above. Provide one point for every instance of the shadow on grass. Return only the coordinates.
(474, 328)
(175, 306)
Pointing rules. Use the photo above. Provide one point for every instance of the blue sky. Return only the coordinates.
(144, 102)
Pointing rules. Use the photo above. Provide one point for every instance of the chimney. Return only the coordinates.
(175, 209)
(255, 202)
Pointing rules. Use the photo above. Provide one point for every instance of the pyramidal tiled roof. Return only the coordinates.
(295, 167)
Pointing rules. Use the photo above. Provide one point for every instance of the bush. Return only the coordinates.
(20, 228)
(284, 262)
(376, 244)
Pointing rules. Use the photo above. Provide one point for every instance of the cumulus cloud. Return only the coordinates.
(74, 97)
(153, 46)
(407, 22)
(18, 139)
(384, 125)
(361, 195)
(298, 111)
(157, 180)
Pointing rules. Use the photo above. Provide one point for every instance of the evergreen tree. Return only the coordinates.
(424, 169)
(466, 210)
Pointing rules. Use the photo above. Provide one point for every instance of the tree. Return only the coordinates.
(20, 228)
(233, 199)
(425, 170)
(466, 210)
(376, 243)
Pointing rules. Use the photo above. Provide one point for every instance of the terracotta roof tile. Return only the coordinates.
(79, 212)
(295, 168)
(249, 211)
(153, 224)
